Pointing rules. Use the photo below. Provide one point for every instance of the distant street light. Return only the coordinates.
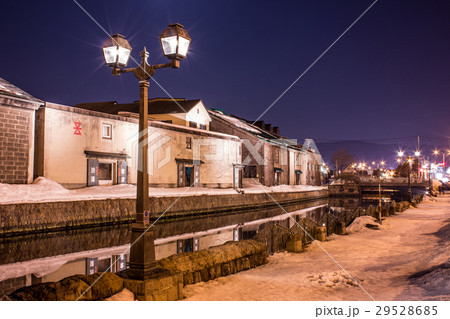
(116, 51)
(417, 153)
(436, 152)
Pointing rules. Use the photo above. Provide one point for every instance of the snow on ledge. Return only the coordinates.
(47, 190)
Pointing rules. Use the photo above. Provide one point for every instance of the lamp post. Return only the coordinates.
(379, 194)
(417, 155)
(116, 51)
(409, 192)
(409, 196)
(430, 184)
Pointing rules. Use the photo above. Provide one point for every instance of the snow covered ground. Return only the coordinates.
(46, 190)
(405, 259)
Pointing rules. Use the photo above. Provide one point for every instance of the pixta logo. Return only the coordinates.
(159, 151)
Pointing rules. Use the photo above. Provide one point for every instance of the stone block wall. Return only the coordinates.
(347, 189)
(164, 283)
(223, 260)
(24, 218)
(15, 125)
(9, 285)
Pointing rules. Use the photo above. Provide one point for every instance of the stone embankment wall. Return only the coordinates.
(344, 189)
(278, 238)
(168, 278)
(171, 274)
(19, 219)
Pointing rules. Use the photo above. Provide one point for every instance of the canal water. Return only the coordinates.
(53, 256)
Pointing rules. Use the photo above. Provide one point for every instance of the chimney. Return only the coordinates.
(260, 124)
(268, 128)
(276, 130)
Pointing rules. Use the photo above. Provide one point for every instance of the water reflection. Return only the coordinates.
(51, 257)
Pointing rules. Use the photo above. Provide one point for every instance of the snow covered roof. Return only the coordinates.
(155, 106)
(236, 122)
(9, 89)
(255, 130)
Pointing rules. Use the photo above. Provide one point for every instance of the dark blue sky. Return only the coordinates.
(388, 77)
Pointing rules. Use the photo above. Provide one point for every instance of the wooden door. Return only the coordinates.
(196, 177)
(92, 173)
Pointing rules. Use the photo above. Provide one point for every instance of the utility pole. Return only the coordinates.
(409, 196)
(337, 168)
(430, 186)
(379, 193)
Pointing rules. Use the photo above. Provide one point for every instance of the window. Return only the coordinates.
(188, 142)
(107, 131)
(276, 155)
(104, 171)
(192, 124)
(202, 127)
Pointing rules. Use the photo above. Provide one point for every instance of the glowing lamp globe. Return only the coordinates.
(116, 51)
(175, 42)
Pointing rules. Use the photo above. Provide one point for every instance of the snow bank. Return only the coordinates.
(124, 295)
(436, 282)
(294, 188)
(364, 223)
(42, 189)
(429, 199)
(333, 279)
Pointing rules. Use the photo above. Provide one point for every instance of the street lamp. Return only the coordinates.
(116, 51)
(175, 42)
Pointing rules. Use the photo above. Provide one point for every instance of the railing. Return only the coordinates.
(276, 236)
(396, 180)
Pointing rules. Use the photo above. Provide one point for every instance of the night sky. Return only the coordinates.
(387, 79)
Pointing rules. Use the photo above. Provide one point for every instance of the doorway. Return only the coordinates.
(189, 178)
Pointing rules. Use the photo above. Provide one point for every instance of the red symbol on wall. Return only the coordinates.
(77, 128)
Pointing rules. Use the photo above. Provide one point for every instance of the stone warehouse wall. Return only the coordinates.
(166, 281)
(18, 219)
(346, 189)
(15, 126)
